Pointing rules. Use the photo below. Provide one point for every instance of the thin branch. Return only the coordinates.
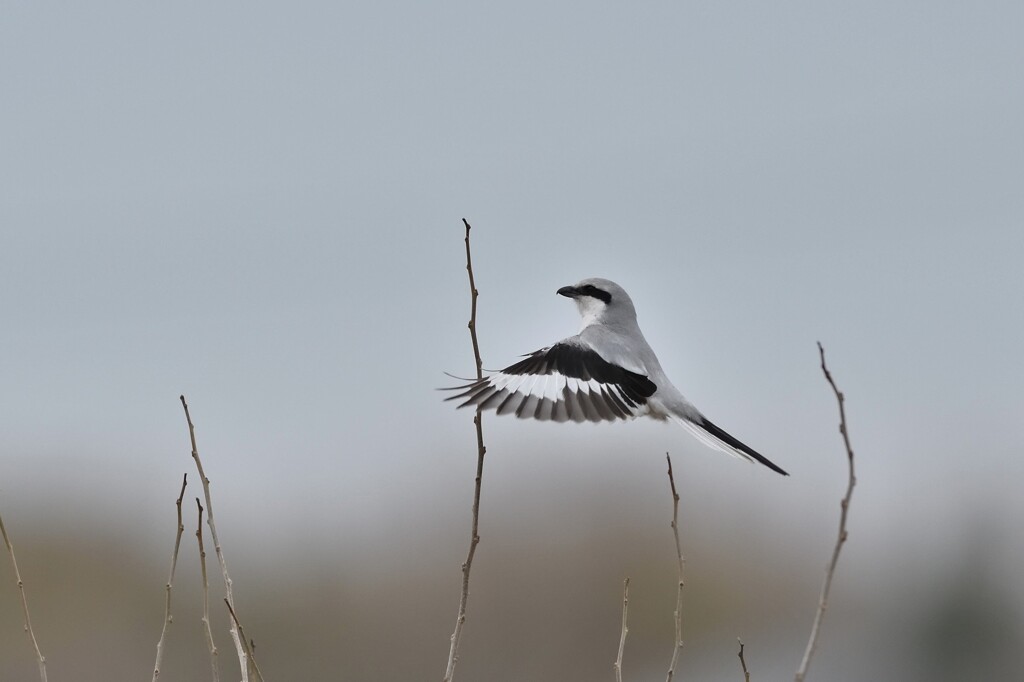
(743, 662)
(24, 603)
(844, 506)
(206, 597)
(474, 294)
(625, 630)
(249, 645)
(170, 582)
(453, 652)
(239, 648)
(677, 648)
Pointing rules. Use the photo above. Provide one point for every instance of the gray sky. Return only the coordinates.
(259, 206)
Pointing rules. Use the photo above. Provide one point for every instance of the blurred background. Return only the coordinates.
(259, 206)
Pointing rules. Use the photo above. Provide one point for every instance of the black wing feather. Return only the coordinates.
(586, 364)
(620, 394)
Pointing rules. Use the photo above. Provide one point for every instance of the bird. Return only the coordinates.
(606, 372)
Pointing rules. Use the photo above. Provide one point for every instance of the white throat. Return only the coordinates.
(591, 310)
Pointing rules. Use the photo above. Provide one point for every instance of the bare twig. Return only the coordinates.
(677, 648)
(453, 652)
(474, 294)
(206, 597)
(24, 603)
(249, 646)
(844, 506)
(743, 662)
(239, 648)
(625, 630)
(170, 582)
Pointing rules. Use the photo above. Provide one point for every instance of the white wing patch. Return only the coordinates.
(536, 389)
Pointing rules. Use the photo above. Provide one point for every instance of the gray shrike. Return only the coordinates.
(604, 373)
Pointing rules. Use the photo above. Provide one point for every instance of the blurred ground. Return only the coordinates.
(545, 593)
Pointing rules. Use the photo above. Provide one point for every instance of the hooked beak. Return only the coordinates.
(569, 292)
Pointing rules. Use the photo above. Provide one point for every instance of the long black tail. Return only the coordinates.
(726, 441)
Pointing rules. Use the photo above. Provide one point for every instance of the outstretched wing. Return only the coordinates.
(567, 381)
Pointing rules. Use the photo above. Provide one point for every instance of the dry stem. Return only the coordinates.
(24, 603)
(743, 662)
(239, 648)
(206, 597)
(170, 582)
(625, 630)
(841, 539)
(249, 645)
(453, 652)
(679, 589)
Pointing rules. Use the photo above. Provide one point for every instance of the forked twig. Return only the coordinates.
(206, 597)
(679, 589)
(239, 648)
(453, 652)
(625, 630)
(841, 539)
(24, 603)
(743, 662)
(170, 582)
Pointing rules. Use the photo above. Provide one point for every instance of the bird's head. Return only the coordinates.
(601, 301)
